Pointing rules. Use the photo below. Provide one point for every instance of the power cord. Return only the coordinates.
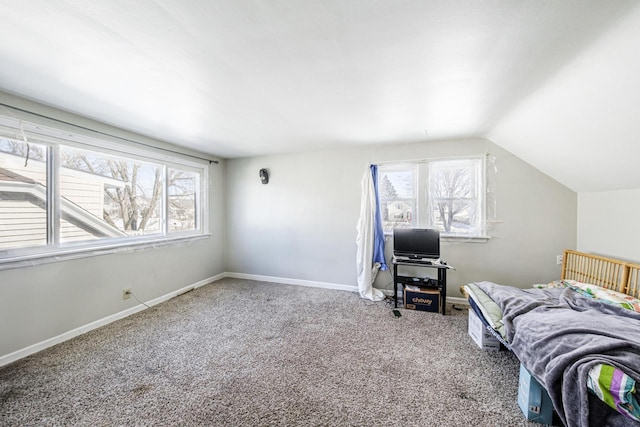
(136, 298)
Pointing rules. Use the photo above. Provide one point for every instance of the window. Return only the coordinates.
(126, 195)
(74, 193)
(446, 195)
(183, 188)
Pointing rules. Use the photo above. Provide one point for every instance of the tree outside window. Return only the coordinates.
(130, 195)
(454, 194)
(183, 187)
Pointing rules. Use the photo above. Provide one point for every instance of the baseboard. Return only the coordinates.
(457, 300)
(287, 281)
(326, 285)
(19, 354)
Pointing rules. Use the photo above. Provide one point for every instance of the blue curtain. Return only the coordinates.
(378, 232)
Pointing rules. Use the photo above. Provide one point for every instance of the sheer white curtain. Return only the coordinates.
(367, 268)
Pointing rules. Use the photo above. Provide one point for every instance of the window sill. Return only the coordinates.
(67, 254)
(457, 239)
(461, 239)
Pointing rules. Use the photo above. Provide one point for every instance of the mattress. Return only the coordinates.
(503, 316)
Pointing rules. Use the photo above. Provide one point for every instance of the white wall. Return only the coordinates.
(302, 225)
(42, 301)
(608, 223)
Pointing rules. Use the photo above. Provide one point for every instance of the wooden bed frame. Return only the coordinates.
(614, 274)
(620, 276)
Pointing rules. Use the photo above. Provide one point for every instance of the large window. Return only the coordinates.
(61, 195)
(446, 195)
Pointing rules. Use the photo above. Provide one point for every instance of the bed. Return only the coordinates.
(578, 336)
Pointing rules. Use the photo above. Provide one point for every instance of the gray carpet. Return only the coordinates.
(240, 352)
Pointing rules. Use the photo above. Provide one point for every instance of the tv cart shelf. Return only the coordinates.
(440, 283)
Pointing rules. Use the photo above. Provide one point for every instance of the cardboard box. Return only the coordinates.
(480, 335)
(422, 299)
(533, 399)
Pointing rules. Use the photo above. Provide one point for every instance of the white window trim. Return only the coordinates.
(454, 239)
(67, 254)
(422, 198)
(53, 138)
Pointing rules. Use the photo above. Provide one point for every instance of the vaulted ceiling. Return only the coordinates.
(552, 81)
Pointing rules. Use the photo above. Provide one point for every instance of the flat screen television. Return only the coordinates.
(416, 243)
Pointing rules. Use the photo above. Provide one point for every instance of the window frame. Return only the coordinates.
(53, 138)
(423, 199)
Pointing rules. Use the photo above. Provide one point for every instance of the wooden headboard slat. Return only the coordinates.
(606, 272)
(633, 281)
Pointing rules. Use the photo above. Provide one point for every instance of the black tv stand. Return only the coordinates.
(440, 283)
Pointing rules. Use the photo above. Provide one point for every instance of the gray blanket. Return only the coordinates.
(559, 335)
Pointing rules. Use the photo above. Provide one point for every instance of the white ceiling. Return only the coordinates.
(250, 77)
(583, 124)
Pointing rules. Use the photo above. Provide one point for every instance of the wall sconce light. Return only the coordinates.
(264, 176)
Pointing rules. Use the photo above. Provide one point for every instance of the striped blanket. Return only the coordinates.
(615, 388)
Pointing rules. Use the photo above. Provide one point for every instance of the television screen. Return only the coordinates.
(416, 243)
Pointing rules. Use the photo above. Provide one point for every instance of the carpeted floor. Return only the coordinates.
(240, 352)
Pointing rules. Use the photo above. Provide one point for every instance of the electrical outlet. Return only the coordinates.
(126, 293)
(559, 259)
